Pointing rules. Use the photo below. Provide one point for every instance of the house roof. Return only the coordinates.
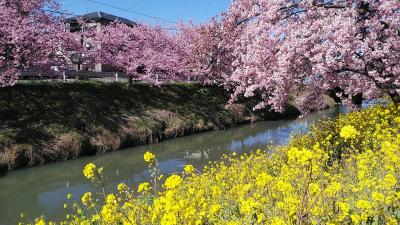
(102, 16)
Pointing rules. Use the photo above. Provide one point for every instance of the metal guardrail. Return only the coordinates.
(82, 75)
(78, 75)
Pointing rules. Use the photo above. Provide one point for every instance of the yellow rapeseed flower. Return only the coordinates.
(173, 181)
(277, 221)
(40, 221)
(355, 218)
(363, 204)
(122, 187)
(189, 169)
(111, 199)
(215, 209)
(143, 187)
(149, 157)
(390, 181)
(109, 213)
(89, 171)
(86, 198)
(348, 132)
(169, 219)
(263, 179)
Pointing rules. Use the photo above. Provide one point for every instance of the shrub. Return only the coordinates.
(344, 171)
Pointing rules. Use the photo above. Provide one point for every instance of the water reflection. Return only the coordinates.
(43, 190)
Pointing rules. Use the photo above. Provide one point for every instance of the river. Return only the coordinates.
(42, 190)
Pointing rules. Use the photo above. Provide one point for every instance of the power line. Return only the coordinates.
(136, 4)
(71, 14)
(131, 11)
(73, 3)
(58, 12)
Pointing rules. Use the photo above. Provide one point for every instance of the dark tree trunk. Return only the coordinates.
(130, 81)
(332, 93)
(394, 95)
(357, 99)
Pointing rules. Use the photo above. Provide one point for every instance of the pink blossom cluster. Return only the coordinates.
(31, 38)
(146, 53)
(282, 48)
(208, 56)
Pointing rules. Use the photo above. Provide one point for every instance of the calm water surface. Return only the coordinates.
(42, 190)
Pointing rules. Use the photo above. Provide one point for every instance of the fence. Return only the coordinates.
(74, 75)
(85, 75)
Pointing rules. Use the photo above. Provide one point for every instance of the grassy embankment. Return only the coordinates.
(45, 122)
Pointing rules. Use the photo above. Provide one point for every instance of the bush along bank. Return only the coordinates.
(344, 171)
(46, 122)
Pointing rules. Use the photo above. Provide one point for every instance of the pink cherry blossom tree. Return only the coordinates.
(146, 53)
(307, 47)
(209, 51)
(31, 38)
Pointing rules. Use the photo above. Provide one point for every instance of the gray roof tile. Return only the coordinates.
(103, 15)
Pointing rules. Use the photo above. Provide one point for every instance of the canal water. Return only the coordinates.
(42, 190)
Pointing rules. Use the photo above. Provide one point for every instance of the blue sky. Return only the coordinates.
(167, 10)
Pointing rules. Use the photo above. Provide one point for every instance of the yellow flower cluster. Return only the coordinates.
(348, 132)
(189, 169)
(143, 187)
(173, 181)
(86, 198)
(344, 171)
(109, 212)
(89, 171)
(122, 187)
(149, 157)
